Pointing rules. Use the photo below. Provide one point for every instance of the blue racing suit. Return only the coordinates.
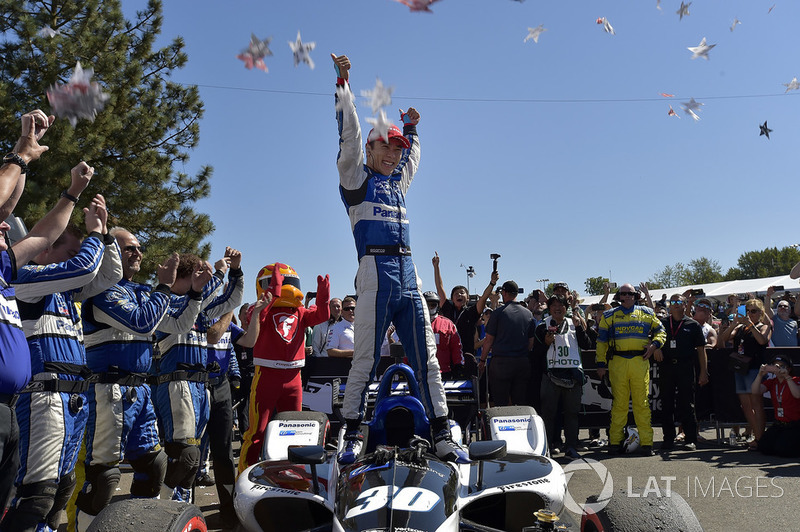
(181, 397)
(218, 437)
(118, 328)
(51, 409)
(15, 372)
(387, 284)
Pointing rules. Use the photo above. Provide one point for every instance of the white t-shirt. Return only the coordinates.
(340, 336)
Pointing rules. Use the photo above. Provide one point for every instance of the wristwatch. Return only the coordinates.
(13, 158)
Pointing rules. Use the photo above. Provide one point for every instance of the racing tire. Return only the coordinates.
(641, 514)
(137, 515)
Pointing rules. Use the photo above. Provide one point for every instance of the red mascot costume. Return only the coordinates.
(279, 352)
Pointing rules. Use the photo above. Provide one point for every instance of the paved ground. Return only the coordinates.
(728, 488)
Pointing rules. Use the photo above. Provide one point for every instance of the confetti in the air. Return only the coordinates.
(764, 130)
(380, 126)
(735, 23)
(47, 31)
(691, 108)
(379, 96)
(344, 97)
(418, 5)
(79, 98)
(683, 10)
(256, 51)
(302, 51)
(533, 33)
(701, 50)
(606, 25)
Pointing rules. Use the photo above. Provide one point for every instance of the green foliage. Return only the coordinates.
(668, 277)
(135, 144)
(595, 286)
(769, 262)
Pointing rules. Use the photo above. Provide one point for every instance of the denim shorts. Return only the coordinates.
(744, 382)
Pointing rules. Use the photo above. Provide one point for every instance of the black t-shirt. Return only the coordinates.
(511, 326)
(465, 326)
(688, 336)
(449, 311)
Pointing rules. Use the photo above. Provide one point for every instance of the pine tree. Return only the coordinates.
(135, 144)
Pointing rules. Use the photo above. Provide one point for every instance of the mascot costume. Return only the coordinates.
(279, 353)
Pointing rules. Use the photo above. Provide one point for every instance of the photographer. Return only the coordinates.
(784, 332)
(783, 437)
(750, 335)
(558, 342)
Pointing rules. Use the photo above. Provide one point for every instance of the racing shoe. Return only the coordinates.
(352, 447)
(447, 449)
(204, 479)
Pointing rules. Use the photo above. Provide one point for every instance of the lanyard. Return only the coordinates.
(779, 396)
(672, 330)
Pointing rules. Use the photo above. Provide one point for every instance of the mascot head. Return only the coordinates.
(291, 295)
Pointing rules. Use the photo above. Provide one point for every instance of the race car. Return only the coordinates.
(397, 484)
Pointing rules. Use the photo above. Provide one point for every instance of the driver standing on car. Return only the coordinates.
(387, 285)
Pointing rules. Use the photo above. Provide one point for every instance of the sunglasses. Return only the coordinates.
(783, 306)
(348, 308)
(131, 249)
(676, 302)
(621, 294)
(703, 305)
(753, 310)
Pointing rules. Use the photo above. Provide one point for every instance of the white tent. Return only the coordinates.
(720, 291)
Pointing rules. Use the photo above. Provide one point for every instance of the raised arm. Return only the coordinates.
(350, 159)
(480, 306)
(27, 150)
(49, 228)
(215, 332)
(437, 279)
(768, 302)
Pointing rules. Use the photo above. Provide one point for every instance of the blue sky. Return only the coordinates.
(560, 156)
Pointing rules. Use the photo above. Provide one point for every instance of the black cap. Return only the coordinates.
(510, 287)
(782, 358)
(431, 297)
(565, 286)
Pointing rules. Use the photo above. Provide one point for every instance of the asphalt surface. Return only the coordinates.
(729, 488)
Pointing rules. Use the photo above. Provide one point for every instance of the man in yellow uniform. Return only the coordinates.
(628, 336)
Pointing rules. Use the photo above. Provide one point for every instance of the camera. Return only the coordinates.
(311, 295)
(597, 306)
(697, 292)
(520, 290)
(494, 257)
(612, 286)
(778, 288)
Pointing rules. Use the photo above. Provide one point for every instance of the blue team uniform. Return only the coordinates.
(51, 409)
(387, 284)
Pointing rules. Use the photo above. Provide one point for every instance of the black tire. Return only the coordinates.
(140, 515)
(641, 514)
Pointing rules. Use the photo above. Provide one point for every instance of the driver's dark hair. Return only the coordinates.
(556, 299)
(457, 287)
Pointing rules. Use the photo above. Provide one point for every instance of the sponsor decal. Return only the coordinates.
(286, 325)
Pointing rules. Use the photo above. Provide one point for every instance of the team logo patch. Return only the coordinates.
(286, 325)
